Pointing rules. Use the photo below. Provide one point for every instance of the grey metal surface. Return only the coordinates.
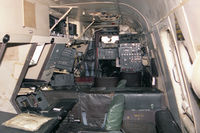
(55, 95)
(41, 100)
(144, 101)
(32, 102)
(50, 62)
(62, 80)
(129, 38)
(22, 100)
(66, 59)
(55, 55)
(60, 57)
(107, 54)
(43, 69)
(139, 121)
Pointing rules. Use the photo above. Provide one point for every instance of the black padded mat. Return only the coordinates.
(66, 127)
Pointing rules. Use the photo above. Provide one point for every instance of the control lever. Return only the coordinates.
(3, 46)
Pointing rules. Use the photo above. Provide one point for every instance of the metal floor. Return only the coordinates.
(134, 122)
(66, 127)
(134, 128)
(139, 127)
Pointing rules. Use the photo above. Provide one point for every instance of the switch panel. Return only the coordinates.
(130, 57)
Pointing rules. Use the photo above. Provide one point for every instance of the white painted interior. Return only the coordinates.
(11, 13)
(10, 69)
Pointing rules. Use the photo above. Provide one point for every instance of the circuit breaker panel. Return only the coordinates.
(130, 55)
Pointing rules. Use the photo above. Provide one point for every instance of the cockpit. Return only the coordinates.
(98, 67)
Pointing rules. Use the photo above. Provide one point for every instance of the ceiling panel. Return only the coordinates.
(142, 12)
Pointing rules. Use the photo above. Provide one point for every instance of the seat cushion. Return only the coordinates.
(115, 113)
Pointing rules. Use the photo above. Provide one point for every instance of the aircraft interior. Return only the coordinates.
(83, 66)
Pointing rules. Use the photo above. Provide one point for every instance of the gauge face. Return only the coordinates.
(109, 39)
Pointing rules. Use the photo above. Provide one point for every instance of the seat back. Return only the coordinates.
(115, 113)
